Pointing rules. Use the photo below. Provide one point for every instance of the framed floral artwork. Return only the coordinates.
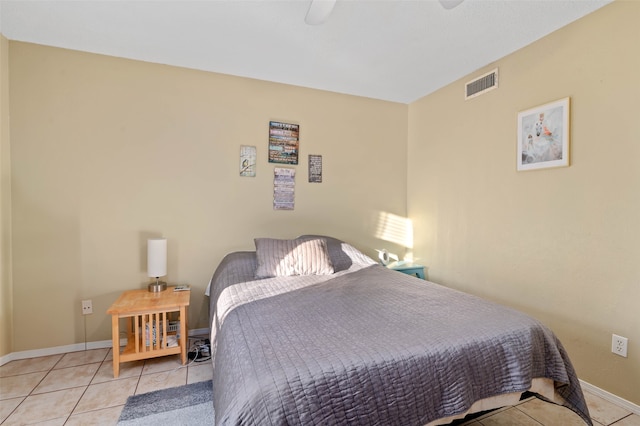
(543, 136)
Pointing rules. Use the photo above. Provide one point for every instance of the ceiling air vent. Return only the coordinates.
(483, 84)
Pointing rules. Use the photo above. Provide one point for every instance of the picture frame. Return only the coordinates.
(284, 141)
(543, 136)
(315, 168)
(284, 188)
(248, 160)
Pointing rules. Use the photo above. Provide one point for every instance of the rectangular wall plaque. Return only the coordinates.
(315, 168)
(247, 160)
(284, 189)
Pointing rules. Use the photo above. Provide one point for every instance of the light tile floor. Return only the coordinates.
(78, 388)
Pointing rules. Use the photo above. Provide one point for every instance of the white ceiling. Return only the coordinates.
(395, 50)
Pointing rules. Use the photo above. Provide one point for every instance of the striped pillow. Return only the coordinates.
(278, 258)
(312, 258)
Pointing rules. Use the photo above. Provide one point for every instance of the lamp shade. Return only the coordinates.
(157, 257)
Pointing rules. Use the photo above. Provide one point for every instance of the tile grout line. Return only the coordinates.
(24, 398)
(534, 419)
(76, 404)
(135, 391)
(85, 391)
(53, 368)
(87, 387)
(621, 419)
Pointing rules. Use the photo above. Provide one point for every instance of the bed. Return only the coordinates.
(312, 331)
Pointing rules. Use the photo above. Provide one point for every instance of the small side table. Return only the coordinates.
(148, 334)
(408, 268)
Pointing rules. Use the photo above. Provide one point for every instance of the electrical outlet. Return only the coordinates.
(87, 307)
(619, 345)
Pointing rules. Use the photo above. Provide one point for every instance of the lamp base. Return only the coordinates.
(157, 286)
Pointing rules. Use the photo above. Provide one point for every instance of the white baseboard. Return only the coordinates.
(77, 347)
(608, 396)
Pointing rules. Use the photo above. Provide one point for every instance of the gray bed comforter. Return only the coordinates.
(367, 346)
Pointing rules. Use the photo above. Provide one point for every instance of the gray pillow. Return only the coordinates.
(278, 258)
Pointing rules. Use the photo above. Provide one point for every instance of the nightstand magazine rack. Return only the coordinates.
(150, 333)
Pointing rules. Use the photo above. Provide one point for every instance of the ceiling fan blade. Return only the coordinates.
(319, 11)
(450, 4)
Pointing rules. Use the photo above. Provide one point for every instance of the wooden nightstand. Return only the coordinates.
(148, 334)
(408, 268)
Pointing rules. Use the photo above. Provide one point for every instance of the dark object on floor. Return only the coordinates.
(200, 351)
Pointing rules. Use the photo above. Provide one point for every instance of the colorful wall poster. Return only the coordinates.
(283, 142)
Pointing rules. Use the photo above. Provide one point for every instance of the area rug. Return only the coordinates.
(183, 405)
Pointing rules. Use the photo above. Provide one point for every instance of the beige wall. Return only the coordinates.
(107, 152)
(560, 244)
(6, 298)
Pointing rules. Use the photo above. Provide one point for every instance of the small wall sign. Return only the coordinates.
(247, 160)
(284, 189)
(315, 168)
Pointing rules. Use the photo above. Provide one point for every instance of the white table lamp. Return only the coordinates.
(157, 263)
